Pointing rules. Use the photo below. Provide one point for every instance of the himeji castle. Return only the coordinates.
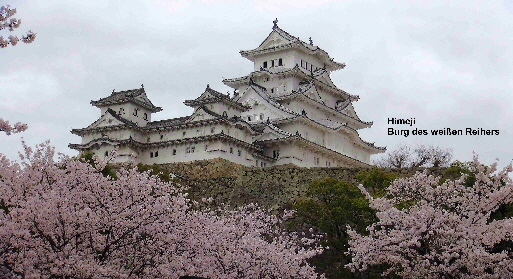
(287, 111)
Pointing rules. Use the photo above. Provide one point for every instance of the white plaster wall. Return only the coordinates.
(287, 57)
(307, 132)
(202, 151)
(308, 58)
(303, 157)
(219, 108)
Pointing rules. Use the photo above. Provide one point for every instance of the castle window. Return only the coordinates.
(266, 79)
(156, 153)
(145, 117)
(257, 163)
(192, 149)
(106, 153)
(272, 90)
(212, 130)
(261, 116)
(265, 64)
(121, 111)
(174, 151)
(183, 134)
(148, 140)
(249, 118)
(280, 62)
(238, 152)
(188, 150)
(135, 111)
(151, 154)
(161, 136)
(272, 63)
(231, 150)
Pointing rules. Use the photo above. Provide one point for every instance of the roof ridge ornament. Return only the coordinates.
(311, 42)
(142, 86)
(275, 22)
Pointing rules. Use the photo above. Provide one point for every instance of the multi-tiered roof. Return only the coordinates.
(261, 116)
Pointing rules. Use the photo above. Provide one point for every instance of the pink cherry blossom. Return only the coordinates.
(66, 220)
(6, 22)
(444, 230)
(8, 129)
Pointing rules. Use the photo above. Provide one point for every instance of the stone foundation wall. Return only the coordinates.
(270, 187)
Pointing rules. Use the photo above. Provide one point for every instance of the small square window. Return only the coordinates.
(231, 150)
(183, 134)
(161, 136)
(280, 62)
(272, 63)
(174, 151)
(238, 152)
(156, 153)
(212, 130)
(265, 64)
(192, 149)
(151, 154)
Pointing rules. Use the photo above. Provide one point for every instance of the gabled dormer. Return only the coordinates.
(280, 49)
(132, 105)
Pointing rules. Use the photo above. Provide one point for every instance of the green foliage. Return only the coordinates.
(376, 180)
(108, 170)
(457, 169)
(155, 170)
(329, 207)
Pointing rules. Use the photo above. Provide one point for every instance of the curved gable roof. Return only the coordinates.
(137, 96)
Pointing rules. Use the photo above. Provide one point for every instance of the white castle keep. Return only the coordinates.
(286, 111)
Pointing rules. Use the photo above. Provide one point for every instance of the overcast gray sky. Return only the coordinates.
(448, 64)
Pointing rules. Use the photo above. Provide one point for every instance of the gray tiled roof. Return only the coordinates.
(137, 96)
(166, 123)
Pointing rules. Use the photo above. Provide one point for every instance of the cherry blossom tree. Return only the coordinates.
(7, 22)
(428, 229)
(8, 129)
(421, 156)
(66, 220)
